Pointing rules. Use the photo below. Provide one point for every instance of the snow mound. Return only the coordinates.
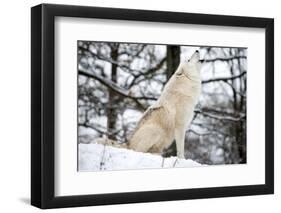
(97, 157)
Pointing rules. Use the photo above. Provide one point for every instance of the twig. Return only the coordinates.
(163, 161)
(175, 162)
(102, 158)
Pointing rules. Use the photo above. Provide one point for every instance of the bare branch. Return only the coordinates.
(113, 86)
(119, 90)
(126, 67)
(149, 71)
(198, 133)
(135, 54)
(99, 128)
(224, 78)
(238, 92)
(225, 59)
(217, 130)
(220, 117)
(94, 55)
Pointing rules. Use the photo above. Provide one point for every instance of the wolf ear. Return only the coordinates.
(195, 57)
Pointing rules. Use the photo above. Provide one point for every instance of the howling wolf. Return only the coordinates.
(169, 117)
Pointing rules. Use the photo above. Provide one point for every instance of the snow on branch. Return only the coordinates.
(97, 157)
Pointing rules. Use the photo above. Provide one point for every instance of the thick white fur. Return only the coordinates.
(170, 116)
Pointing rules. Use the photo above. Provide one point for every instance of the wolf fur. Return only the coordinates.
(169, 117)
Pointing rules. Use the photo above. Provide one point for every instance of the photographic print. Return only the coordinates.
(160, 106)
(115, 97)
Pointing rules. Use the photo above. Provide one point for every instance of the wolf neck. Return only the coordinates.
(186, 85)
(180, 89)
(193, 79)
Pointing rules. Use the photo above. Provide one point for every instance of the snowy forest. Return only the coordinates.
(117, 82)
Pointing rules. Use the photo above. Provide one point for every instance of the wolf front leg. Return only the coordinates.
(179, 137)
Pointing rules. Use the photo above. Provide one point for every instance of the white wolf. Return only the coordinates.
(169, 117)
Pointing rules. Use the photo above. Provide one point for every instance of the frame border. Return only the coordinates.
(43, 111)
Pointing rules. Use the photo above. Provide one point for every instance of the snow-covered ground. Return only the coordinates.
(96, 157)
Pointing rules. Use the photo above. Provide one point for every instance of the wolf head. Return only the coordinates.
(190, 68)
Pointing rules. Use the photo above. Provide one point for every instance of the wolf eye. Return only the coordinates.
(179, 74)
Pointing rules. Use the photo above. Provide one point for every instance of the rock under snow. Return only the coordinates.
(96, 157)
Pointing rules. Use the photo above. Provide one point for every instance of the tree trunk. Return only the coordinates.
(242, 143)
(111, 112)
(237, 106)
(173, 59)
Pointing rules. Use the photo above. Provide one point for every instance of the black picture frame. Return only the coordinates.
(43, 105)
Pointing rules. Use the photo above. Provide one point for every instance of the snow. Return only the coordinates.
(96, 157)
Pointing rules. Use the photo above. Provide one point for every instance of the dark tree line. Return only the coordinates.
(118, 81)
